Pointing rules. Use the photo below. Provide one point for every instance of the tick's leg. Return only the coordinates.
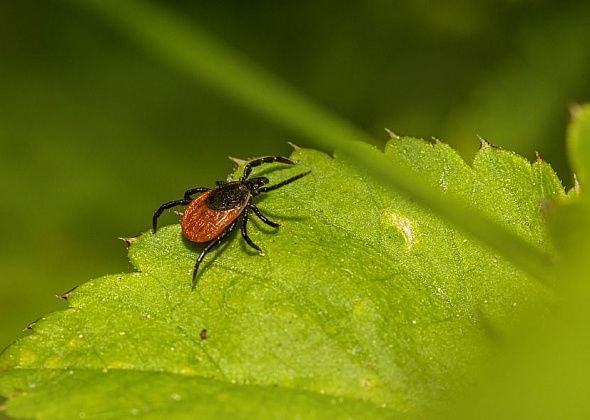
(188, 194)
(163, 207)
(262, 217)
(209, 247)
(285, 182)
(260, 161)
(245, 233)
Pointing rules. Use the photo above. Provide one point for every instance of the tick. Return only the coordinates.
(213, 213)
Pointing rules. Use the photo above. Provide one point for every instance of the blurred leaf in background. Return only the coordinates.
(94, 133)
(542, 371)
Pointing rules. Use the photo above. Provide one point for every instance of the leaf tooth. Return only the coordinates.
(66, 295)
(391, 134)
(237, 161)
(294, 146)
(484, 144)
(31, 325)
(128, 241)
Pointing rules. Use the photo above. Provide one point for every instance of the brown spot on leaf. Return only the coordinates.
(203, 334)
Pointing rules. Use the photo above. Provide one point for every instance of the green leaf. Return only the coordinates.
(364, 304)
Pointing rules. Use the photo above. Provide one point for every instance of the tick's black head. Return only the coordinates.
(255, 183)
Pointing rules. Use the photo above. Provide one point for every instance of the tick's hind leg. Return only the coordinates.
(260, 161)
(209, 247)
(245, 234)
(163, 207)
(262, 217)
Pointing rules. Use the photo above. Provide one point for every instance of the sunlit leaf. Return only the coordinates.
(364, 302)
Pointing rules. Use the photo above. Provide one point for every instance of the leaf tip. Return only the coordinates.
(435, 140)
(538, 157)
(391, 134)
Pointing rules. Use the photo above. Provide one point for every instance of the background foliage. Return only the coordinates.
(94, 133)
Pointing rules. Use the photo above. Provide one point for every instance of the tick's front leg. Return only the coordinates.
(163, 207)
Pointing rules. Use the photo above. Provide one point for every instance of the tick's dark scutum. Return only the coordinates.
(228, 197)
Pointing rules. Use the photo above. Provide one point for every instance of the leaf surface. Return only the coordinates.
(364, 304)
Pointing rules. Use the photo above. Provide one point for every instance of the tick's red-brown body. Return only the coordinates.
(201, 223)
(215, 212)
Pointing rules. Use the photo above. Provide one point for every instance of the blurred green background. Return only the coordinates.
(95, 133)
